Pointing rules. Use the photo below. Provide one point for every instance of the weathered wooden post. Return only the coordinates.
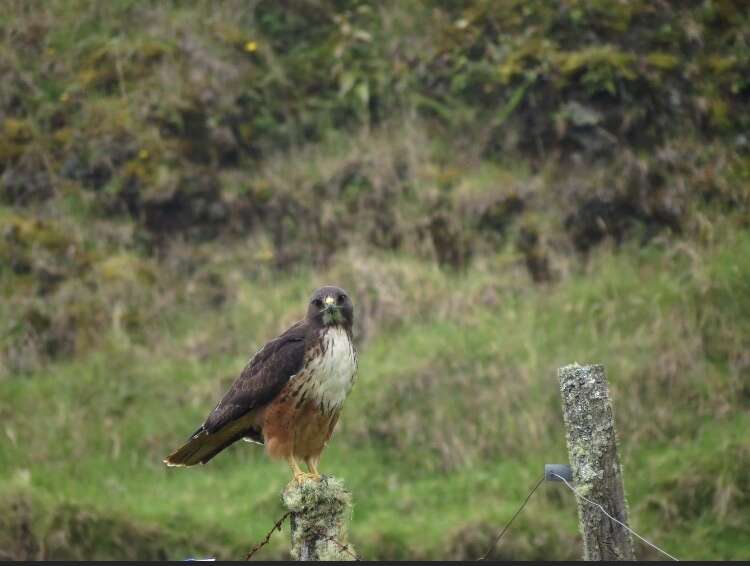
(592, 448)
(319, 512)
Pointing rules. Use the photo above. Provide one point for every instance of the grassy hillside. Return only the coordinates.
(503, 188)
(453, 416)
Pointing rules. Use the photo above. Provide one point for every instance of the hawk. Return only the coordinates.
(290, 393)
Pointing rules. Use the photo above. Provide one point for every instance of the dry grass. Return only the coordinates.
(171, 196)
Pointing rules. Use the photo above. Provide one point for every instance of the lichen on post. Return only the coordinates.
(592, 448)
(319, 514)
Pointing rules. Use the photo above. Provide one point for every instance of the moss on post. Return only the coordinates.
(592, 448)
(319, 513)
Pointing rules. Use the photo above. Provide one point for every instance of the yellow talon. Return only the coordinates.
(303, 476)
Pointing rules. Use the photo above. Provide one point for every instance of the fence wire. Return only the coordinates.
(346, 548)
(264, 542)
(277, 527)
(507, 526)
(652, 545)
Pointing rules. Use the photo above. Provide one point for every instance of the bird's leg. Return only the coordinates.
(296, 470)
(299, 475)
(312, 465)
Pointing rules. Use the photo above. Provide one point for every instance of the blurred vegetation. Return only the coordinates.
(503, 187)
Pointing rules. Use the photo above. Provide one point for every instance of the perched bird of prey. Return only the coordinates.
(290, 394)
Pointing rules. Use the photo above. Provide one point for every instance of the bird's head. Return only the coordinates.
(331, 306)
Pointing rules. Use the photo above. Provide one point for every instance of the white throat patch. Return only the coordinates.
(332, 371)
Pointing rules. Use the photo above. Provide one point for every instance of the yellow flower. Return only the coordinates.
(143, 154)
(64, 97)
(251, 47)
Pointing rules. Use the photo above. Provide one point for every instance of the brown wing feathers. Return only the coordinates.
(232, 418)
(203, 445)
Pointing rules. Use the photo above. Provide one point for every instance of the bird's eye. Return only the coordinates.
(317, 302)
(341, 298)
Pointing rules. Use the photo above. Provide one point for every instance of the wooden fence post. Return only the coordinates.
(319, 512)
(592, 448)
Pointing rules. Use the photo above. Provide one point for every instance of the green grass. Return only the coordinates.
(451, 420)
(426, 156)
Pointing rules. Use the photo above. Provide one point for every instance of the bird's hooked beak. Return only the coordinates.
(331, 311)
(329, 305)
